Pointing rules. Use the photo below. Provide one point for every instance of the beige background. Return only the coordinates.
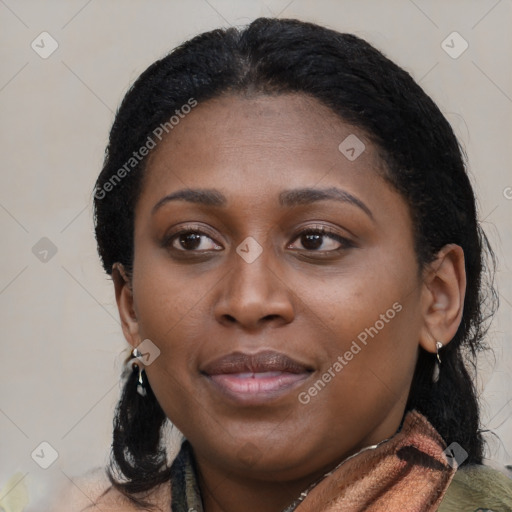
(61, 340)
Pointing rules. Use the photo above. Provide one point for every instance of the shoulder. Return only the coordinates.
(84, 492)
(478, 487)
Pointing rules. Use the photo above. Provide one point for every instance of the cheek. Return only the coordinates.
(171, 309)
(169, 297)
(368, 370)
(373, 321)
(171, 314)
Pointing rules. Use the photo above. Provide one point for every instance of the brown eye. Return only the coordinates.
(188, 241)
(321, 240)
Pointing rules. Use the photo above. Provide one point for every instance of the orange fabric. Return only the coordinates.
(407, 473)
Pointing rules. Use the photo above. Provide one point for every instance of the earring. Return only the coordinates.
(439, 346)
(437, 367)
(134, 364)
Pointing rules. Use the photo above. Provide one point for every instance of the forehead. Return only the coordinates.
(257, 142)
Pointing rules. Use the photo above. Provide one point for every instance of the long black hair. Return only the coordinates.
(423, 161)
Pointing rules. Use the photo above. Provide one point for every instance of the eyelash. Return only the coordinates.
(321, 230)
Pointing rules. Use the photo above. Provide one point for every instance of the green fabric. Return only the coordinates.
(478, 489)
(185, 495)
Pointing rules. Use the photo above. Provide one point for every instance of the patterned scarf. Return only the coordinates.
(409, 471)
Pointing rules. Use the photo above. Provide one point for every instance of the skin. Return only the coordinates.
(296, 297)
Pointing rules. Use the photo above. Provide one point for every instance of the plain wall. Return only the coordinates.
(61, 339)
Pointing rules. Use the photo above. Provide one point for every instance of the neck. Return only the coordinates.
(225, 492)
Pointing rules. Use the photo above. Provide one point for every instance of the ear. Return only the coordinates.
(444, 288)
(124, 299)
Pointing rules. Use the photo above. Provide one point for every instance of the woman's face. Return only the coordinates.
(251, 273)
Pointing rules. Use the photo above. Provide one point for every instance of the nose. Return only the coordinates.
(253, 295)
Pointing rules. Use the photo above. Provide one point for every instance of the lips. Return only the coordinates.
(255, 379)
(266, 361)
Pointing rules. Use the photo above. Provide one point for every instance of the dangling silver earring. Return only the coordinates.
(437, 367)
(439, 346)
(134, 364)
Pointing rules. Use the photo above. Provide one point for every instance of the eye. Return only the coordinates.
(312, 239)
(321, 240)
(188, 240)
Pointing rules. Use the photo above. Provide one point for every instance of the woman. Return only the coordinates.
(297, 264)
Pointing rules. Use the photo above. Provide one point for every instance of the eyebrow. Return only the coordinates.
(287, 198)
(310, 195)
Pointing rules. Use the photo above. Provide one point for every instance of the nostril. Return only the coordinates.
(230, 319)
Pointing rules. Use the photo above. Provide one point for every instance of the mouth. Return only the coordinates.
(255, 379)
